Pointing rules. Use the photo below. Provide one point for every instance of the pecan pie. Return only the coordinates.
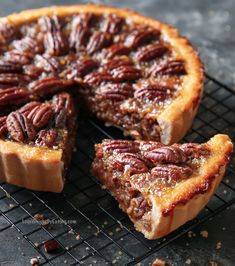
(132, 71)
(36, 143)
(161, 187)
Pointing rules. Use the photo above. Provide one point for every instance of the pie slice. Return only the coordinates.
(161, 187)
(133, 72)
(36, 143)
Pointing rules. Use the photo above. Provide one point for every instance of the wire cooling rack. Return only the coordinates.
(86, 221)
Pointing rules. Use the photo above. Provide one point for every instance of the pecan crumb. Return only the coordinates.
(51, 246)
(204, 233)
(34, 261)
(218, 245)
(160, 262)
(213, 263)
(188, 261)
(78, 237)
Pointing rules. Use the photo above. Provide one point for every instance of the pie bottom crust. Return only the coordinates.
(173, 210)
(31, 167)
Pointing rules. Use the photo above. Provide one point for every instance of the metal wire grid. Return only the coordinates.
(106, 234)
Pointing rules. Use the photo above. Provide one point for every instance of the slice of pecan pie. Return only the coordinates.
(36, 143)
(133, 72)
(161, 187)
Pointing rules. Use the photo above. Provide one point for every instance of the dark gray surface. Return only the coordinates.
(208, 23)
(210, 27)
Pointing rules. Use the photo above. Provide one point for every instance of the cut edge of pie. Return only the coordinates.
(184, 202)
(176, 119)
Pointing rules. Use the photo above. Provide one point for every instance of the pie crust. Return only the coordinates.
(172, 209)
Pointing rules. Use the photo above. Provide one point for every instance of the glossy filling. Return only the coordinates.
(127, 73)
(133, 171)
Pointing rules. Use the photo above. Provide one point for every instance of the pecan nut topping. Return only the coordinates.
(150, 52)
(194, 150)
(118, 92)
(15, 96)
(48, 86)
(115, 63)
(28, 44)
(13, 79)
(165, 154)
(79, 36)
(172, 67)
(140, 37)
(116, 49)
(121, 146)
(171, 171)
(81, 69)
(48, 64)
(98, 78)
(130, 162)
(8, 31)
(126, 73)
(113, 24)
(40, 115)
(18, 57)
(154, 92)
(98, 41)
(47, 138)
(63, 101)
(19, 127)
(10, 67)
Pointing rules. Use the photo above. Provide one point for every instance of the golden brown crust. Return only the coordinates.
(31, 167)
(176, 119)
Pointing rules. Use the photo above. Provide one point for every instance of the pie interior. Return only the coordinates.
(161, 187)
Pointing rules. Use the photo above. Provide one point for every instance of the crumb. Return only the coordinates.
(89, 227)
(118, 229)
(114, 261)
(39, 217)
(87, 248)
(188, 261)
(51, 246)
(119, 252)
(223, 228)
(78, 237)
(18, 237)
(71, 232)
(36, 244)
(110, 233)
(67, 248)
(204, 233)
(218, 245)
(34, 261)
(65, 261)
(8, 195)
(11, 205)
(213, 263)
(105, 222)
(190, 233)
(30, 204)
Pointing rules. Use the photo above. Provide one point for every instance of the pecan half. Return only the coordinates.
(126, 73)
(132, 161)
(10, 67)
(3, 126)
(165, 154)
(79, 37)
(117, 92)
(8, 31)
(55, 40)
(19, 127)
(63, 101)
(98, 41)
(12, 79)
(120, 146)
(81, 69)
(15, 96)
(48, 86)
(48, 64)
(116, 49)
(113, 24)
(138, 206)
(27, 108)
(154, 92)
(18, 57)
(96, 78)
(193, 150)
(28, 44)
(172, 67)
(40, 115)
(32, 71)
(47, 138)
(150, 145)
(140, 37)
(118, 62)
(150, 52)
(171, 171)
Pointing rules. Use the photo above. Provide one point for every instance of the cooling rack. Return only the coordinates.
(85, 220)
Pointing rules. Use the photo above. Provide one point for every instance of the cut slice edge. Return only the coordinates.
(189, 197)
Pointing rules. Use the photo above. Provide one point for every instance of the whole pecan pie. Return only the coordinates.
(161, 187)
